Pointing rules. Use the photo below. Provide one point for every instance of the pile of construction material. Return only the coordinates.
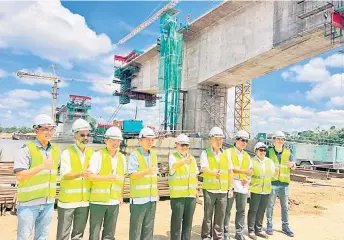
(309, 175)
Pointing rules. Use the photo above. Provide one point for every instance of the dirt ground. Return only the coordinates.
(316, 212)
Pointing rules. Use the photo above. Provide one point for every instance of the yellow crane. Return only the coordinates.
(55, 80)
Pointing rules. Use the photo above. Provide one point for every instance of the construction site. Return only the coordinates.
(187, 73)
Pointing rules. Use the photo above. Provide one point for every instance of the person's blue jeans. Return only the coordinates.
(35, 219)
(282, 192)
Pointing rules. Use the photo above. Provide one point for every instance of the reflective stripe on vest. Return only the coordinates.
(209, 181)
(245, 163)
(284, 171)
(42, 184)
(104, 191)
(183, 183)
(78, 189)
(146, 186)
(261, 182)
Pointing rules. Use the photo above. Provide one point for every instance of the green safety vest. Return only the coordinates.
(261, 182)
(236, 163)
(148, 185)
(43, 184)
(209, 181)
(104, 191)
(284, 171)
(78, 189)
(183, 183)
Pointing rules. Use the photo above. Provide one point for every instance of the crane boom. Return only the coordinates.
(149, 21)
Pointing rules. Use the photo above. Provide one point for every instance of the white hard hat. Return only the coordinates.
(182, 139)
(146, 132)
(278, 134)
(43, 120)
(259, 145)
(113, 133)
(216, 132)
(80, 124)
(242, 134)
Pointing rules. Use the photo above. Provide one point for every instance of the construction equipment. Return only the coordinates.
(170, 46)
(55, 80)
(149, 21)
(242, 107)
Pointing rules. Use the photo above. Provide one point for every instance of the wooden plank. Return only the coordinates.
(299, 178)
(313, 174)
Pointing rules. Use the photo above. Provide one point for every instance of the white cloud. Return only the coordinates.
(3, 73)
(337, 101)
(50, 31)
(33, 81)
(331, 88)
(11, 103)
(102, 84)
(109, 109)
(28, 94)
(270, 118)
(102, 100)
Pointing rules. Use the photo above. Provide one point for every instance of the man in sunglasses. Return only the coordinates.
(73, 204)
(217, 176)
(35, 167)
(242, 172)
(283, 159)
(109, 168)
(182, 183)
(260, 188)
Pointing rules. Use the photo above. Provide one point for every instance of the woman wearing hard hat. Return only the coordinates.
(108, 167)
(35, 167)
(260, 188)
(183, 189)
(143, 170)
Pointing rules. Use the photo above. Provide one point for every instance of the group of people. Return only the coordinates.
(92, 184)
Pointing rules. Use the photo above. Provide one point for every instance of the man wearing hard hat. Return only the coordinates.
(35, 167)
(73, 205)
(242, 172)
(283, 159)
(108, 168)
(217, 178)
(183, 183)
(260, 188)
(142, 168)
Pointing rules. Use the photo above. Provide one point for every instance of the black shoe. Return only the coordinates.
(261, 234)
(252, 235)
(239, 237)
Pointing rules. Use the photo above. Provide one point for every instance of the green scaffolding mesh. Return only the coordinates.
(170, 68)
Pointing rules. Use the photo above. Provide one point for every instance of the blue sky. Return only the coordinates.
(80, 38)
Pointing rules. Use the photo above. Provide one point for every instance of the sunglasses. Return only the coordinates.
(84, 135)
(184, 145)
(261, 149)
(243, 140)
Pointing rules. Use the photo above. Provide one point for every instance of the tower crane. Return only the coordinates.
(55, 81)
(149, 21)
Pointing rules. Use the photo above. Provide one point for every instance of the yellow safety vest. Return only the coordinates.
(209, 181)
(284, 171)
(148, 185)
(261, 182)
(183, 183)
(236, 163)
(104, 191)
(43, 184)
(78, 189)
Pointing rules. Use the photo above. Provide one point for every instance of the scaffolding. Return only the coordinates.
(124, 75)
(170, 46)
(242, 107)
